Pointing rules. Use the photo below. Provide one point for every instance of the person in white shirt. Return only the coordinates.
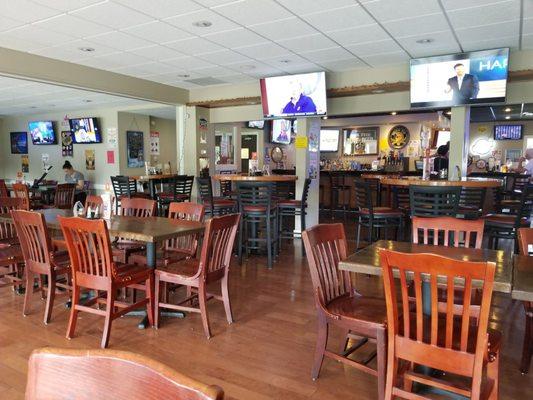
(528, 167)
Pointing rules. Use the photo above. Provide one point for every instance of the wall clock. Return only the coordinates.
(398, 137)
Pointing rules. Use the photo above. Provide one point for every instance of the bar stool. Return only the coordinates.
(519, 183)
(339, 191)
(179, 190)
(214, 206)
(374, 217)
(471, 202)
(293, 208)
(124, 186)
(258, 209)
(434, 201)
(375, 187)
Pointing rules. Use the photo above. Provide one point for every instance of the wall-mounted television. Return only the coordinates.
(42, 132)
(459, 79)
(256, 124)
(329, 140)
(507, 132)
(281, 131)
(294, 95)
(85, 130)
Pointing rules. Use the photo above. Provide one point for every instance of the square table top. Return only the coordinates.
(367, 260)
(149, 230)
(523, 278)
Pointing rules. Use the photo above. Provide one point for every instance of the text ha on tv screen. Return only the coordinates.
(302, 95)
(478, 77)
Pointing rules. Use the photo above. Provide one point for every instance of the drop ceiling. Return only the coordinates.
(158, 40)
(502, 113)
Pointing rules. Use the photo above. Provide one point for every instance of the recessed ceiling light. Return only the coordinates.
(33, 106)
(377, 91)
(325, 117)
(285, 61)
(393, 113)
(202, 24)
(86, 49)
(184, 76)
(508, 109)
(87, 101)
(425, 41)
(448, 113)
(508, 117)
(247, 67)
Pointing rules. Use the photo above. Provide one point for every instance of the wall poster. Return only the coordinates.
(67, 148)
(25, 161)
(19, 143)
(154, 143)
(135, 149)
(89, 160)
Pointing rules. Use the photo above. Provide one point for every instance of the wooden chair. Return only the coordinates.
(525, 238)
(125, 187)
(41, 260)
(64, 196)
(181, 248)
(434, 201)
(339, 305)
(3, 189)
(96, 203)
(471, 202)
(93, 268)
(8, 234)
(448, 231)
(132, 207)
(447, 343)
(196, 274)
(11, 260)
(20, 190)
(214, 206)
(104, 374)
(180, 189)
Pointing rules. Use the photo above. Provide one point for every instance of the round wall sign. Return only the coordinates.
(398, 137)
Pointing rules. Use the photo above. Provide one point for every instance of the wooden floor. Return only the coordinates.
(266, 354)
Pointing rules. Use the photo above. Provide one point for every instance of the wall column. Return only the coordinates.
(459, 141)
(307, 165)
(194, 142)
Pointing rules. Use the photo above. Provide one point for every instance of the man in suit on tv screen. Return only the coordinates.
(464, 86)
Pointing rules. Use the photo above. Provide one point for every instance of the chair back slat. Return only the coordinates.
(472, 197)
(305, 191)
(525, 239)
(20, 190)
(34, 239)
(123, 186)
(188, 212)
(205, 191)
(448, 231)
(217, 246)
(183, 186)
(7, 229)
(96, 203)
(363, 195)
(255, 194)
(434, 201)
(138, 207)
(3, 189)
(520, 182)
(325, 246)
(435, 341)
(526, 205)
(64, 196)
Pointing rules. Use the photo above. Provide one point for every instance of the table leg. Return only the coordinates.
(152, 188)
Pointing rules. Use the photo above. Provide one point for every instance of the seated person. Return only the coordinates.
(73, 176)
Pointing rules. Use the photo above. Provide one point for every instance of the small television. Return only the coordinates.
(256, 124)
(329, 140)
(457, 79)
(301, 95)
(281, 131)
(42, 132)
(85, 130)
(507, 132)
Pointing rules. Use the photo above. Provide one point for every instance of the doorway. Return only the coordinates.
(248, 150)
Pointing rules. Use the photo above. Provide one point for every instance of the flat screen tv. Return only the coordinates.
(329, 140)
(507, 132)
(85, 130)
(294, 95)
(281, 131)
(459, 79)
(256, 124)
(42, 132)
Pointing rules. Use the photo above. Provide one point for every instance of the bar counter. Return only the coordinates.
(263, 178)
(464, 182)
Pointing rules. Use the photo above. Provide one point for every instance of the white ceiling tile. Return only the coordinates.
(15, 43)
(377, 47)
(331, 20)
(66, 5)
(236, 78)
(213, 3)
(527, 28)
(9, 23)
(73, 26)
(486, 32)
(386, 10)
(527, 42)
(224, 57)
(194, 46)
(161, 8)
(343, 65)
(253, 68)
(157, 52)
(308, 43)
(59, 53)
(214, 71)
(444, 42)
(361, 34)
(417, 25)
(484, 15)
(25, 10)
(379, 60)
(300, 7)
(282, 29)
(120, 41)
(116, 60)
(157, 32)
(113, 15)
(99, 49)
(302, 68)
(504, 41)
(458, 4)
(262, 51)
(248, 12)
(286, 60)
(188, 63)
(186, 21)
(236, 38)
(335, 53)
(135, 70)
(443, 49)
(157, 68)
(34, 33)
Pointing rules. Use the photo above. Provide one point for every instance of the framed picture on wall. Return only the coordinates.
(19, 143)
(135, 149)
(513, 155)
(361, 141)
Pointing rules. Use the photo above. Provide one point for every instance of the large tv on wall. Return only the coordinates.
(301, 95)
(85, 130)
(507, 132)
(42, 132)
(281, 131)
(459, 79)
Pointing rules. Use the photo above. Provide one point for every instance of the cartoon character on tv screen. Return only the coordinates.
(299, 103)
(463, 86)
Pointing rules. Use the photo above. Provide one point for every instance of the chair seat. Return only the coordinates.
(383, 211)
(221, 203)
(186, 269)
(131, 273)
(370, 309)
(504, 219)
(163, 257)
(172, 196)
(9, 241)
(61, 261)
(255, 209)
(290, 203)
(467, 209)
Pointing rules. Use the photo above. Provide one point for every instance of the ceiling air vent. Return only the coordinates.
(205, 81)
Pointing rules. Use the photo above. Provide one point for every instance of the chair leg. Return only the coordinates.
(358, 236)
(269, 242)
(157, 285)
(73, 311)
(345, 340)
(41, 286)
(149, 284)
(370, 232)
(202, 295)
(492, 373)
(241, 227)
(29, 290)
(321, 343)
(226, 299)
(527, 348)
(50, 298)
(109, 311)
(381, 344)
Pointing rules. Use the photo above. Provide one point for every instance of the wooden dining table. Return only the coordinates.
(523, 278)
(150, 230)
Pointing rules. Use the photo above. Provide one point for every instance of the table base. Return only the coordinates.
(144, 322)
